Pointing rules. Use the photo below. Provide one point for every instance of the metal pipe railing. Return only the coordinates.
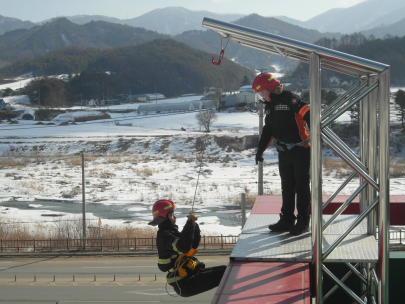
(348, 105)
(342, 186)
(350, 229)
(384, 171)
(132, 244)
(342, 145)
(350, 162)
(316, 174)
(343, 286)
(342, 61)
(334, 288)
(357, 273)
(374, 276)
(344, 206)
(318, 56)
(356, 89)
(372, 144)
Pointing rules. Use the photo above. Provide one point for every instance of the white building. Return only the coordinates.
(154, 96)
(165, 107)
(246, 97)
(246, 88)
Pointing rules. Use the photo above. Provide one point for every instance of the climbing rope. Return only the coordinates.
(199, 171)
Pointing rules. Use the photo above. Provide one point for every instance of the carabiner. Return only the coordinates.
(221, 56)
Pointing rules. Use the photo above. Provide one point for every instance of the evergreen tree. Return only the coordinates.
(47, 92)
(400, 101)
(245, 81)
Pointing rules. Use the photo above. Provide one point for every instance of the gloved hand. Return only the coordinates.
(192, 217)
(259, 157)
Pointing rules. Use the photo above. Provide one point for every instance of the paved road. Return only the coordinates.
(31, 280)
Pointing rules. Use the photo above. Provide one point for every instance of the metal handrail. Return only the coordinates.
(374, 276)
(331, 59)
(131, 244)
(357, 273)
(334, 288)
(342, 145)
(338, 102)
(342, 186)
(351, 227)
(343, 286)
(343, 109)
(349, 161)
(344, 206)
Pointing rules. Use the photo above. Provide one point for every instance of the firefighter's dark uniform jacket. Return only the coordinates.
(171, 243)
(286, 116)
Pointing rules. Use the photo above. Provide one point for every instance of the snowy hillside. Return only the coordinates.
(128, 167)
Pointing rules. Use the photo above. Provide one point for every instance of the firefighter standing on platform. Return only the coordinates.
(186, 274)
(286, 116)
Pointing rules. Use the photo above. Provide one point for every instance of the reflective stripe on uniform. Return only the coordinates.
(271, 78)
(172, 280)
(167, 261)
(174, 246)
(164, 261)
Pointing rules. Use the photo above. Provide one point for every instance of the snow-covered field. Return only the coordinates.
(129, 167)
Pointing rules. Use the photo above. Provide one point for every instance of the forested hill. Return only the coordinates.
(29, 43)
(390, 50)
(174, 67)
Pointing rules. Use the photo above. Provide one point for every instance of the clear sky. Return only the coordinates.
(39, 10)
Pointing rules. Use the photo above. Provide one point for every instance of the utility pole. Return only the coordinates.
(39, 96)
(155, 94)
(81, 101)
(83, 205)
(261, 70)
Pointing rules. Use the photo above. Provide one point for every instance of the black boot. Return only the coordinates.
(284, 224)
(301, 226)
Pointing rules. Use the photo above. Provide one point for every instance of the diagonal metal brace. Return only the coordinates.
(350, 162)
(351, 227)
(344, 287)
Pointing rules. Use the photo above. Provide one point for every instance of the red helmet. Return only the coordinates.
(160, 210)
(265, 81)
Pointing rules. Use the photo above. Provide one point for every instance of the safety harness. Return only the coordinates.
(290, 146)
(183, 266)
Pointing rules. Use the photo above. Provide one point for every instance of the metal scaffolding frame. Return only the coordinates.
(372, 94)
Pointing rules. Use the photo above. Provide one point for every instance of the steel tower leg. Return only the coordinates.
(260, 167)
(372, 158)
(316, 175)
(384, 206)
(363, 136)
(364, 140)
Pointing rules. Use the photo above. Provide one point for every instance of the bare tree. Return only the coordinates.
(206, 118)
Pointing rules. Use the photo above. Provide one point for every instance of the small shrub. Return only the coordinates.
(10, 162)
(74, 161)
(397, 169)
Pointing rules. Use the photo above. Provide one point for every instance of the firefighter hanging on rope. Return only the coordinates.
(186, 274)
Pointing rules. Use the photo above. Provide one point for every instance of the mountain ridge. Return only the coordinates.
(360, 17)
